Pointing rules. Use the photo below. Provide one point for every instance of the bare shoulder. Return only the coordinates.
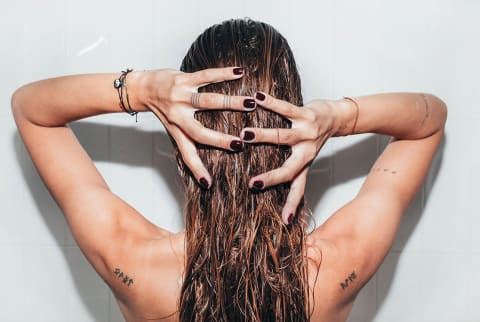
(154, 268)
(336, 275)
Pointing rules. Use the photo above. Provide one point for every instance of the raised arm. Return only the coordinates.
(102, 223)
(363, 230)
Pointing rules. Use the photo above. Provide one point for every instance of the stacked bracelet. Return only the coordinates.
(121, 83)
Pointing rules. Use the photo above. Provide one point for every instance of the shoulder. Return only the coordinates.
(155, 269)
(337, 271)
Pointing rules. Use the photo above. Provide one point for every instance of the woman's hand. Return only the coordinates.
(172, 96)
(312, 125)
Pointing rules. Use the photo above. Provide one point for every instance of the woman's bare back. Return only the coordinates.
(158, 282)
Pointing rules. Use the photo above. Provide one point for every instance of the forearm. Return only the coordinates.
(58, 101)
(401, 115)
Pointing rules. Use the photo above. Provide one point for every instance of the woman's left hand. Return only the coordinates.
(312, 125)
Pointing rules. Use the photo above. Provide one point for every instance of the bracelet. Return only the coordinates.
(357, 112)
(121, 83)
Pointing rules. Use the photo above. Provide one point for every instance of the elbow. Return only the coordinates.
(16, 103)
(19, 104)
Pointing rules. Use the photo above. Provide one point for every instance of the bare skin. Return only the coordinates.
(143, 263)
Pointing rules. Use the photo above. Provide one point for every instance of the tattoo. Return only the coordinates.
(385, 170)
(349, 279)
(427, 109)
(123, 277)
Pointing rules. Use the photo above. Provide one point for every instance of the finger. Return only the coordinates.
(275, 136)
(216, 75)
(281, 107)
(212, 101)
(207, 136)
(289, 170)
(190, 157)
(297, 190)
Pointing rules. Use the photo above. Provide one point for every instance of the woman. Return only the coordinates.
(245, 254)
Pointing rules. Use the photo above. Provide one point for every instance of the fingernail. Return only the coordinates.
(249, 103)
(289, 219)
(236, 145)
(238, 71)
(284, 147)
(203, 183)
(248, 135)
(259, 96)
(258, 184)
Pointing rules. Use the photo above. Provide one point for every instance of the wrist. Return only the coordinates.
(137, 83)
(345, 113)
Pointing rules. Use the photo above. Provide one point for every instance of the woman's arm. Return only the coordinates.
(410, 116)
(400, 115)
(358, 236)
(104, 226)
(58, 101)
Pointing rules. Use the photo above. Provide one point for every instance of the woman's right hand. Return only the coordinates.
(312, 125)
(172, 96)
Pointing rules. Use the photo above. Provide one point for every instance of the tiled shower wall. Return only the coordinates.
(343, 47)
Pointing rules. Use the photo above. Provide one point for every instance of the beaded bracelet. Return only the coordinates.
(121, 83)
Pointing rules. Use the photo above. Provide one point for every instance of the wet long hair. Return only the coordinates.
(242, 262)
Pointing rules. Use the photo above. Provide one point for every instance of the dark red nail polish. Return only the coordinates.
(249, 103)
(238, 71)
(248, 135)
(236, 145)
(203, 183)
(289, 219)
(260, 96)
(258, 184)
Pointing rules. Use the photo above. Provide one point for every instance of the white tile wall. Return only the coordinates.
(343, 47)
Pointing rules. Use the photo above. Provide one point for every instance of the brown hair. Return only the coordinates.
(242, 262)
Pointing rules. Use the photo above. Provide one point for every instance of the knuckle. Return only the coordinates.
(178, 79)
(291, 109)
(175, 96)
(309, 134)
(207, 100)
(309, 116)
(288, 136)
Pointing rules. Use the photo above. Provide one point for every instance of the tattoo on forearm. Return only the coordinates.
(427, 108)
(385, 170)
(348, 280)
(123, 277)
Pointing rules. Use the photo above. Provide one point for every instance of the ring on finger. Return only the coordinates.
(227, 100)
(195, 100)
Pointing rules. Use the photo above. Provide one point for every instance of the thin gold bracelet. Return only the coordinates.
(356, 115)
